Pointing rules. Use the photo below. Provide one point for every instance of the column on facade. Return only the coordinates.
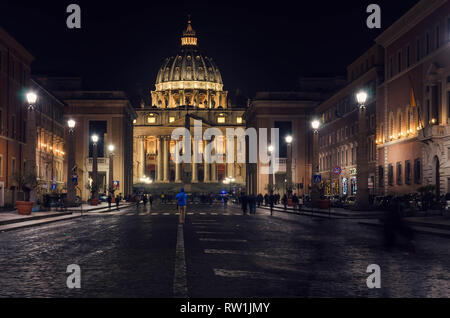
(194, 160)
(230, 165)
(206, 163)
(213, 164)
(142, 156)
(159, 171)
(166, 159)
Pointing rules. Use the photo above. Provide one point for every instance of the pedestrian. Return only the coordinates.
(252, 204)
(144, 199)
(117, 202)
(150, 199)
(181, 203)
(244, 201)
(259, 200)
(163, 198)
(284, 200)
(266, 199)
(295, 201)
(271, 200)
(109, 200)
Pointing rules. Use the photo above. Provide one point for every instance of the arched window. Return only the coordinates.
(391, 126)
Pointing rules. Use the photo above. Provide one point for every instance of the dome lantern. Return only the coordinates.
(189, 38)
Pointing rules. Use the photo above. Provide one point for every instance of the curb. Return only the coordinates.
(417, 229)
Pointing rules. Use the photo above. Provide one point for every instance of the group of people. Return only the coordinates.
(117, 200)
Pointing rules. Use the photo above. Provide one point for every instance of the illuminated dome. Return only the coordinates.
(189, 69)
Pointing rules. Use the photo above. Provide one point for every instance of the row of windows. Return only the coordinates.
(220, 119)
(431, 40)
(404, 173)
(17, 71)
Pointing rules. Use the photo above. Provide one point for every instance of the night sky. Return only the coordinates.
(256, 45)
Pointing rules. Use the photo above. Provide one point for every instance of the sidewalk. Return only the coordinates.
(437, 225)
(327, 213)
(428, 223)
(12, 220)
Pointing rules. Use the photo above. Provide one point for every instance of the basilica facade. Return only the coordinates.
(188, 93)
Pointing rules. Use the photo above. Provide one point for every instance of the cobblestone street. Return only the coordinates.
(136, 253)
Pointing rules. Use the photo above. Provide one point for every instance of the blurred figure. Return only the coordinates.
(284, 200)
(117, 202)
(272, 200)
(259, 200)
(295, 201)
(394, 225)
(244, 201)
(150, 199)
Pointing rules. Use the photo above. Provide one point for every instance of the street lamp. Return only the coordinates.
(361, 97)
(315, 196)
(111, 163)
(71, 168)
(94, 189)
(270, 151)
(315, 124)
(288, 140)
(362, 170)
(31, 141)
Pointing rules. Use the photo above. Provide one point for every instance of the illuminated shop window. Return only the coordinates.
(171, 119)
(221, 120)
(239, 120)
(151, 119)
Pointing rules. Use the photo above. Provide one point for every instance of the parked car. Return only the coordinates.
(349, 202)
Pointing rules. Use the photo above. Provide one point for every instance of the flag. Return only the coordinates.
(412, 98)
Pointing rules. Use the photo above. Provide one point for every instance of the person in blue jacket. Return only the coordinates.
(181, 200)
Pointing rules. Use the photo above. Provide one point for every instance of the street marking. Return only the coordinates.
(214, 213)
(207, 232)
(179, 278)
(129, 214)
(245, 274)
(202, 213)
(190, 213)
(166, 213)
(208, 239)
(237, 252)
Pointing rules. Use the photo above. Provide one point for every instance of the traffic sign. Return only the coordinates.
(75, 180)
(317, 178)
(337, 170)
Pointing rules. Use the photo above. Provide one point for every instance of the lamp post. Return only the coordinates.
(94, 199)
(71, 169)
(269, 153)
(111, 170)
(288, 140)
(315, 196)
(362, 170)
(31, 142)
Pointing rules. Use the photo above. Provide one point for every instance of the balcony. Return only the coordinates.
(433, 132)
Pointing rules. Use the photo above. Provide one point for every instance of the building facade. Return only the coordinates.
(413, 104)
(109, 115)
(339, 132)
(51, 145)
(15, 62)
(189, 92)
(291, 113)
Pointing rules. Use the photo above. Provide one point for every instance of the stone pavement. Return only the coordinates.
(145, 253)
(12, 220)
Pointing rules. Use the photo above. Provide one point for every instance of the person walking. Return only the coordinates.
(271, 200)
(244, 201)
(295, 201)
(109, 200)
(259, 200)
(144, 200)
(181, 203)
(252, 203)
(284, 200)
(150, 199)
(117, 202)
